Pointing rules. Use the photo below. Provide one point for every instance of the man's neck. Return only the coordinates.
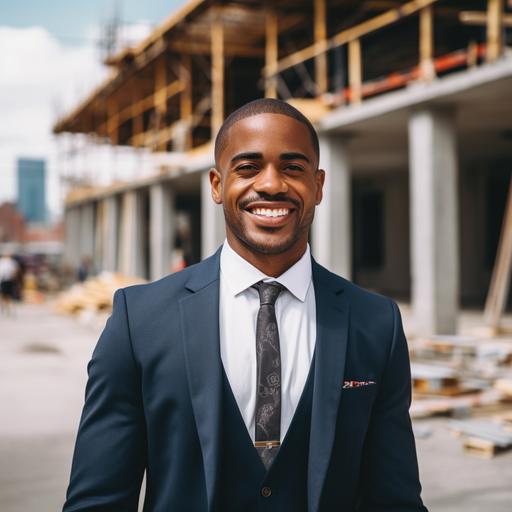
(272, 265)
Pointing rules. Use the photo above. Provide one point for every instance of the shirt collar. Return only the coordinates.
(239, 274)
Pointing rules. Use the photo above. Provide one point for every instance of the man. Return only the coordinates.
(255, 380)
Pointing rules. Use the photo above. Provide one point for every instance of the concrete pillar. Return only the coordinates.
(72, 236)
(162, 229)
(87, 230)
(434, 222)
(110, 233)
(213, 231)
(131, 246)
(331, 231)
(99, 221)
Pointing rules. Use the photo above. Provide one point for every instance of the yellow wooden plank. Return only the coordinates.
(494, 29)
(427, 44)
(500, 280)
(355, 71)
(217, 72)
(271, 49)
(321, 71)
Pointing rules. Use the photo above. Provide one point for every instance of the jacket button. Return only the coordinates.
(266, 492)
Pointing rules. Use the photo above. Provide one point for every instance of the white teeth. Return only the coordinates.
(268, 212)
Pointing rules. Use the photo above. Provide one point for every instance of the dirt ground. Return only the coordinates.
(43, 358)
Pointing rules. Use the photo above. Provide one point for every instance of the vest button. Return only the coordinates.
(266, 492)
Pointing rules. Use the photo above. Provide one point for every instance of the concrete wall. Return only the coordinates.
(393, 277)
(481, 183)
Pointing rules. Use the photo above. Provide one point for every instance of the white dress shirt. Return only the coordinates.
(296, 320)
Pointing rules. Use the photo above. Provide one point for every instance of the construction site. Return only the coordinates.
(412, 102)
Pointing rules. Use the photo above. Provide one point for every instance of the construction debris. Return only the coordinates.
(94, 294)
(484, 438)
(468, 378)
(431, 379)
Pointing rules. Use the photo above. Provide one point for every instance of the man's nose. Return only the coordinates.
(270, 181)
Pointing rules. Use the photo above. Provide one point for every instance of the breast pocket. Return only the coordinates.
(355, 409)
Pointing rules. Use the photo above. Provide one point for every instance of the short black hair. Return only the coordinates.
(263, 106)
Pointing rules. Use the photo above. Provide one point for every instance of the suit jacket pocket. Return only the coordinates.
(356, 406)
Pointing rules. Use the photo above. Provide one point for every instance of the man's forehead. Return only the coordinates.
(257, 120)
(262, 130)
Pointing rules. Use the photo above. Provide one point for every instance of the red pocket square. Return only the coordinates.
(357, 383)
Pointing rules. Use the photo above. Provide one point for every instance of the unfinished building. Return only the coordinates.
(413, 104)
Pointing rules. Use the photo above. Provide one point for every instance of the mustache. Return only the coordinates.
(278, 198)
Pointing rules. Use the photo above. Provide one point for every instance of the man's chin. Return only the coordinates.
(269, 245)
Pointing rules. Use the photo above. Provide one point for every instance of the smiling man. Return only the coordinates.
(256, 380)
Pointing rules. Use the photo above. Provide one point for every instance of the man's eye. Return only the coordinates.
(246, 167)
(293, 167)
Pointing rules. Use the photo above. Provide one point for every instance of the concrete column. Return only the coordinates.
(213, 231)
(331, 231)
(131, 246)
(72, 236)
(434, 223)
(162, 229)
(87, 230)
(110, 233)
(99, 221)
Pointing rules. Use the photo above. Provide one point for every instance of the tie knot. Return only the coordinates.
(268, 292)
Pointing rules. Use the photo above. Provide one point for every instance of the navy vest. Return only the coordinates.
(244, 483)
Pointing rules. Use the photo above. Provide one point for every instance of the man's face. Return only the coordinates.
(268, 181)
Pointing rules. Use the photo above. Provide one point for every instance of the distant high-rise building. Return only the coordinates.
(32, 189)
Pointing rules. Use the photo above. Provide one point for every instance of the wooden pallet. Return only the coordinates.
(483, 447)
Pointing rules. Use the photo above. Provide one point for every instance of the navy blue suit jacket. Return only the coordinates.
(153, 402)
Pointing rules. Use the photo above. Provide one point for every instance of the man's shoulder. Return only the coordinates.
(170, 286)
(356, 295)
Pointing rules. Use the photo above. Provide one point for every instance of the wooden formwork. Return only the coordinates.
(173, 90)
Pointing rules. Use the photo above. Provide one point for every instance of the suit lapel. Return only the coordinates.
(199, 314)
(332, 313)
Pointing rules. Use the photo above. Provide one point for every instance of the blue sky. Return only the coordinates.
(71, 21)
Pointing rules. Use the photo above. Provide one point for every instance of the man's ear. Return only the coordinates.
(216, 184)
(320, 179)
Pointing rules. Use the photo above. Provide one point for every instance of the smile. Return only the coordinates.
(271, 212)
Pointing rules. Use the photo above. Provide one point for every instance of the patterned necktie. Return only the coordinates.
(268, 359)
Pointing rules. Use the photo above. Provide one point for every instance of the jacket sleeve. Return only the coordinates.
(110, 451)
(390, 479)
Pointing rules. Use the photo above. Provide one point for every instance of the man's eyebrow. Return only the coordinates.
(247, 156)
(294, 156)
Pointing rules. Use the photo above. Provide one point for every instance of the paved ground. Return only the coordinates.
(43, 360)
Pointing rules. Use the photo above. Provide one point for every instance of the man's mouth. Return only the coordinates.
(270, 212)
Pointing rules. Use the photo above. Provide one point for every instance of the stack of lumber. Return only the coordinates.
(472, 403)
(504, 386)
(460, 375)
(455, 348)
(93, 294)
(445, 347)
(430, 379)
(485, 438)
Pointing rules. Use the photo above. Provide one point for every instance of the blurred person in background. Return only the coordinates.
(84, 269)
(20, 277)
(8, 277)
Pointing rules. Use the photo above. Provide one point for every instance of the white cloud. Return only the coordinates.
(40, 80)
